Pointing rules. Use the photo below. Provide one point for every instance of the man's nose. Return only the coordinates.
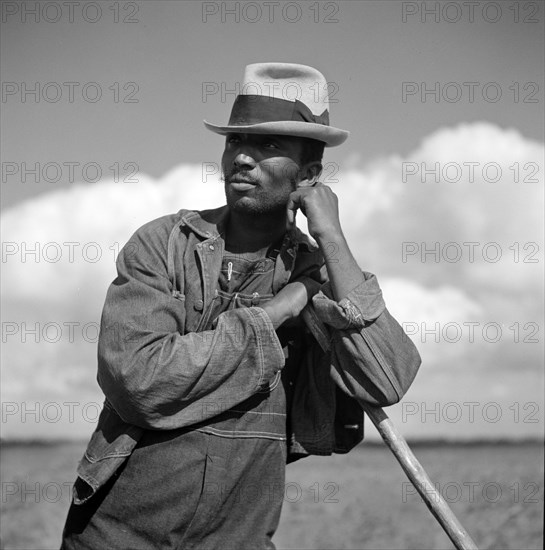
(244, 161)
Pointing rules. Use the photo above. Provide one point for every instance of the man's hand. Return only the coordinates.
(291, 300)
(321, 208)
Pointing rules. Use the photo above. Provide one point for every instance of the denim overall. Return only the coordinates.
(152, 477)
(218, 484)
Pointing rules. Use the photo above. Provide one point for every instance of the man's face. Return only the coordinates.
(260, 171)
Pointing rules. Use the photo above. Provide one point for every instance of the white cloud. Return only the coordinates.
(379, 212)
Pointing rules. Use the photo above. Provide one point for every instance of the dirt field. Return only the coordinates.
(361, 500)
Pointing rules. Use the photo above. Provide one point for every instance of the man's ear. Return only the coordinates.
(310, 174)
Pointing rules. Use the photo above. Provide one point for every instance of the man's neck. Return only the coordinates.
(253, 234)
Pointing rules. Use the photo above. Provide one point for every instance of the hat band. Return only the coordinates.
(255, 109)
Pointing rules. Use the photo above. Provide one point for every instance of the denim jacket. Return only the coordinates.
(159, 373)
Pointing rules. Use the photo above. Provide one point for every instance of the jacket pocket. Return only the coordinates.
(111, 444)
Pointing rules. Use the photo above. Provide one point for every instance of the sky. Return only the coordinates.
(440, 183)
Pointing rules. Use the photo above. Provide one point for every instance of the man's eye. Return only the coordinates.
(233, 139)
(271, 145)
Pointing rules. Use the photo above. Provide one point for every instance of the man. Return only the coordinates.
(231, 344)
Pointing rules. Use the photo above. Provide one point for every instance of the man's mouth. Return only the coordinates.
(239, 183)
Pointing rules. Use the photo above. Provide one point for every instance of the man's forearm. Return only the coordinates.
(276, 316)
(343, 271)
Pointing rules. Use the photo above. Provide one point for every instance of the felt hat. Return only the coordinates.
(282, 98)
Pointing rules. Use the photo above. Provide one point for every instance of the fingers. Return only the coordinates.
(295, 201)
(316, 202)
(305, 184)
(293, 205)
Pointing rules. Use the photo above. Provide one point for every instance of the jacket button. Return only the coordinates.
(199, 304)
(211, 247)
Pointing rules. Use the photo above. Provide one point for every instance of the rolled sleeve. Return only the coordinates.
(371, 358)
(363, 304)
(154, 374)
(271, 353)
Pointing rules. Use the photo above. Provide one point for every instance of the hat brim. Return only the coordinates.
(328, 134)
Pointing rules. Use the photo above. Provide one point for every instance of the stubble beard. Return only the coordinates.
(259, 204)
(255, 206)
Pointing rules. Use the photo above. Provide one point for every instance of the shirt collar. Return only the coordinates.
(211, 223)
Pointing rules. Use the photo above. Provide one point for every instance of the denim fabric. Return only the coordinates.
(183, 489)
(159, 373)
(225, 487)
(263, 415)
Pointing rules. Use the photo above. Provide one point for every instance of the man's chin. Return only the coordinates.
(240, 203)
(250, 206)
(245, 206)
